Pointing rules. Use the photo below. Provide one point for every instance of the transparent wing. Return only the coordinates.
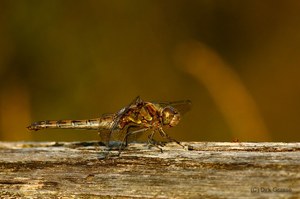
(105, 129)
(108, 136)
(124, 110)
(105, 136)
(182, 106)
(116, 134)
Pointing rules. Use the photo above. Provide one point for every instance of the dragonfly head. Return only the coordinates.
(170, 116)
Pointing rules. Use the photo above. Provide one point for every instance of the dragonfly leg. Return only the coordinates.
(165, 135)
(150, 137)
(122, 145)
(124, 142)
(152, 142)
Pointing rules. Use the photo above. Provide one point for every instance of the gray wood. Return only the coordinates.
(200, 170)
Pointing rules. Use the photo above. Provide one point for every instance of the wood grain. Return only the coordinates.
(200, 170)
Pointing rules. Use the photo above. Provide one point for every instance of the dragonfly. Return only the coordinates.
(138, 117)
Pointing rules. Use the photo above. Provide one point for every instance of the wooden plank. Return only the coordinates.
(200, 170)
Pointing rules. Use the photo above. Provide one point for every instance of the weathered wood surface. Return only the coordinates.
(202, 170)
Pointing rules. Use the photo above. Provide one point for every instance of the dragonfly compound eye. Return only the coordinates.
(170, 116)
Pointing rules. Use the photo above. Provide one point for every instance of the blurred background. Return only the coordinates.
(237, 61)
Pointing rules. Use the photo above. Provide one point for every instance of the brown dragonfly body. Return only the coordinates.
(139, 116)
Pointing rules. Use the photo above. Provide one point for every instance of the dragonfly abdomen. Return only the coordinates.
(92, 124)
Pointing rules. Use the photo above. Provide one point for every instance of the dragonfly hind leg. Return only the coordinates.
(124, 142)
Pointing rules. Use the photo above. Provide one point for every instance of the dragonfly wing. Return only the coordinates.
(106, 122)
(124, 110)
(182, 106)
(105, 136)
(115, 133)
(112, 137)
(134, 133)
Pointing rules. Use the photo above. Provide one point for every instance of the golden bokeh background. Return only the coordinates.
(237, 61)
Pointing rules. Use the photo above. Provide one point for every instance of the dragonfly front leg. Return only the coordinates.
(152, 141)
(165, 135)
